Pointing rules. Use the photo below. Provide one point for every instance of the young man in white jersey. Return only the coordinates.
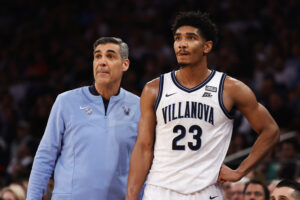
(185, 125)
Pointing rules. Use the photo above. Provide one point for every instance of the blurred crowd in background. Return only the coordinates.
(46, 49)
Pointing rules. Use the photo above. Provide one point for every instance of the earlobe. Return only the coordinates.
(208, 46)
(125, 65)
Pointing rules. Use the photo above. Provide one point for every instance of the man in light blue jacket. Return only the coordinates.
(90, 134)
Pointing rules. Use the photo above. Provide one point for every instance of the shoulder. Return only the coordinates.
(71, 95)
(153, 85)
(234, 85)
(238, 91)
(150, 93)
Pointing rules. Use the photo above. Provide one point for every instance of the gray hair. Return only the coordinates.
(124, 50)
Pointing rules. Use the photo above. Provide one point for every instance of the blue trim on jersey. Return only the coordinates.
(161, 85)
(189, 90)
(221, 88)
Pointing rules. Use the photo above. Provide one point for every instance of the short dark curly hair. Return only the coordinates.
(197, 19)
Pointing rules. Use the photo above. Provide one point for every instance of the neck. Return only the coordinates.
(106, 91)
(192, 75)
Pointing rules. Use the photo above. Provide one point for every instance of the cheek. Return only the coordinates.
(198, 51)
(175, 46)
(94, 65)
(118, 71)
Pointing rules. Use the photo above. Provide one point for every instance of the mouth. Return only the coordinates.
(183, 53)
(102, 72)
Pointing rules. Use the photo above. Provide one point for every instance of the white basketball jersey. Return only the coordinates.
(193, 133)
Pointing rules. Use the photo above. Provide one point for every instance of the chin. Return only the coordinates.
(102, 81)
(182, 64)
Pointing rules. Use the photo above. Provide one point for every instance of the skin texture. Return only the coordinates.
(227, 189)
(108, 68)
(8, 196)
(191, 50)
(254, 192)
(237, 191)
(282, 193)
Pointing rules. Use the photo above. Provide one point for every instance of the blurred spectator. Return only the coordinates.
(289, 149)
(226, 188)
(288, 160)
(286, 189)
(23, 137)
(237, 189)
(269, 167)
(256, 190)
(13, 192)
(20, 165)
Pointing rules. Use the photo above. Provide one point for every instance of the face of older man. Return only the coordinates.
(237, 191)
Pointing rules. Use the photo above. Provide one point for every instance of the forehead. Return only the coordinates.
(238, 186)
(187, 30)
(8, 195)
(256, 187)
(102, 48)
(283, 191)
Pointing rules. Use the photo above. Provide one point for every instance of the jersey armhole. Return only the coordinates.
(161, 84)
(221, 88)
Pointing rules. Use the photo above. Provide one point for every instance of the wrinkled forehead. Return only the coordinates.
(108, 47)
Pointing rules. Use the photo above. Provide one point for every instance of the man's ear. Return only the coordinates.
(125, 65)
(207, 47)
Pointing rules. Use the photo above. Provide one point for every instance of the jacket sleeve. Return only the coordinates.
(47, 153)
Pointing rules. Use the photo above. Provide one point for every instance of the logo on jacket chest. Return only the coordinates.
(87, 109)
(126, 110)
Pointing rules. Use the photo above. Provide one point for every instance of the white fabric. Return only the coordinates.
(192, 169)
(212, 192)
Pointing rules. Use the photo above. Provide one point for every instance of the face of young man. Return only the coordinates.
(108, 66)
(282, 193)
(254, 192)
(190, 46)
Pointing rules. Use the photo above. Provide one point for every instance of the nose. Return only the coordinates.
(183, 44)
(102, 62)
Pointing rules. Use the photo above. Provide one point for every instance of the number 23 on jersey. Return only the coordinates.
(181, 130)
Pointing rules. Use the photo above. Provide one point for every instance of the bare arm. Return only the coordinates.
(142, 154)
(238, 94)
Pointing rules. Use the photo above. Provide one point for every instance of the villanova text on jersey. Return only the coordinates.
(188, 109)
(192, 134)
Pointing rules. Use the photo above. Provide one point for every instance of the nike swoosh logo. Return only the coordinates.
(167, 95)
(82, 108)
(210, 197)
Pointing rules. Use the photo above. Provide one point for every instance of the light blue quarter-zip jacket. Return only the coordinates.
(87, 147)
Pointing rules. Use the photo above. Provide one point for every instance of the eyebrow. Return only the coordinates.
(108, 51)
(188, 33)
